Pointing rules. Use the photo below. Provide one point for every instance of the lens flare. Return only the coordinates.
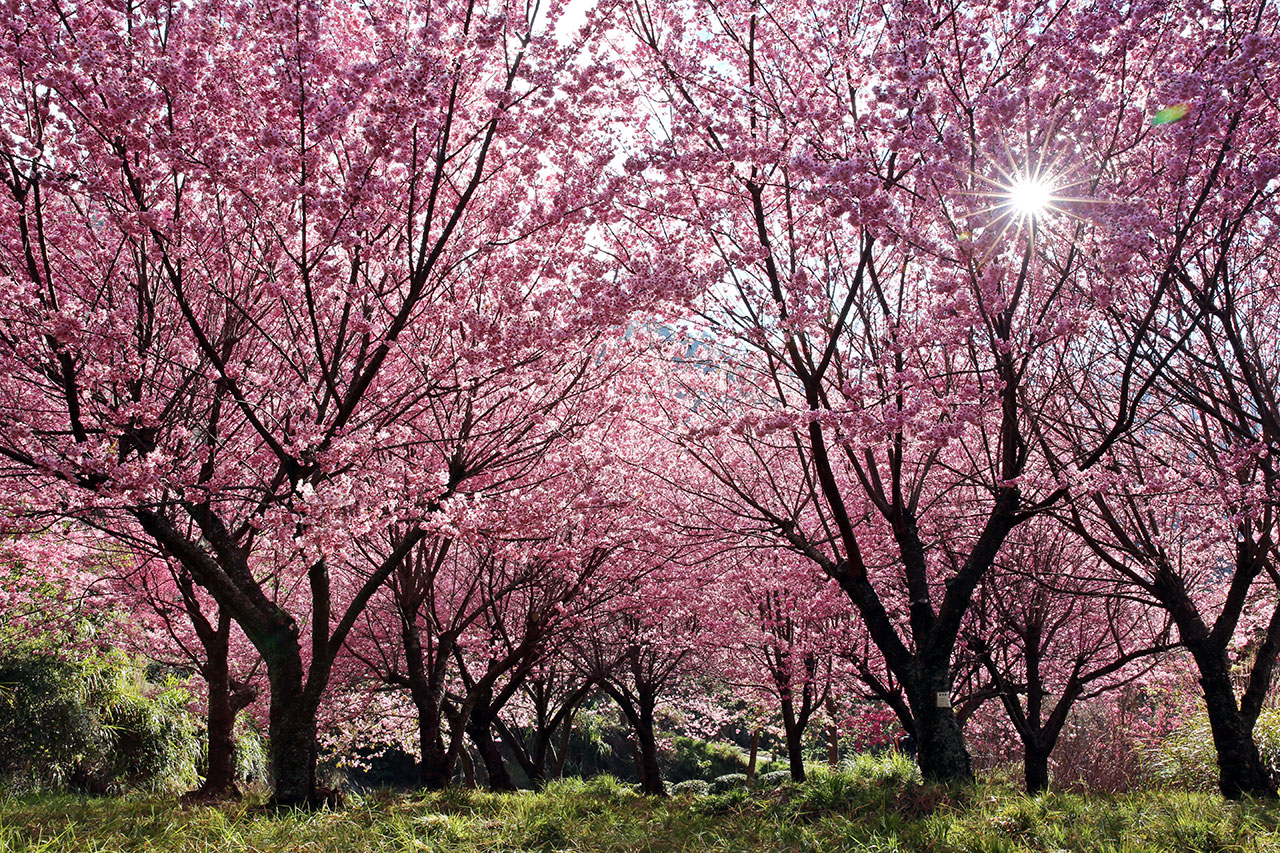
(1030, 197)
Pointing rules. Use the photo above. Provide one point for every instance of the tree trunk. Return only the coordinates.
(224, 703)
(755, 752)
(1035, 769)
(566, 733)
(435, 772)
(1240, 769)
(833, 733)
(468, 769)
(221, 778)
(647, 755)
(481, 733)
(292, 730)
(940, 749)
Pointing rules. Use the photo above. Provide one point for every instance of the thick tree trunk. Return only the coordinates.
(1240, 769)
(292, 731)
(940, 749)
(1035, 769)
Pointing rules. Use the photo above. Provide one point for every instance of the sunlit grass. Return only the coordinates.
(863, 808)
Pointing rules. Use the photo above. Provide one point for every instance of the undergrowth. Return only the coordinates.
(869, 805)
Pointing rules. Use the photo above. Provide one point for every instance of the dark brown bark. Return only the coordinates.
(1035, 769)
(435, 770)
(639, 712)
(226, 697)
(220, 721)
(480, 730)
(647, 756)
(793, 730)
(1240, 769)
(940, 749)
(292, 733)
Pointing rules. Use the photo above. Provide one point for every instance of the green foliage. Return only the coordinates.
(773, 779)
(690, 758)
(696, 787)
(728, 782)
(603, 815)
(93, 725)
(1186, 758)
(252, 758)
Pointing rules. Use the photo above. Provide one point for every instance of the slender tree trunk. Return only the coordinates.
(566, 732)
(220, 777)
(755, 752)
(534, 766)
(794, 733)
(833, 733)
(480, 729)
(468, 768)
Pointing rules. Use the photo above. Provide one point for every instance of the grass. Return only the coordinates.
(862, 808)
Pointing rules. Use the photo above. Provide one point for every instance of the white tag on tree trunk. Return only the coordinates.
(943, 700)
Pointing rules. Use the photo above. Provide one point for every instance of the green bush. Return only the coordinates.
(93, 725)
(696, 787)
(891, 768)
(773, 779)
(867, 778)
(728, 782)
(690, 758)
(252, 759)
(1186, 758)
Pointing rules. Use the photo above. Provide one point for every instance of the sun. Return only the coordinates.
(1029, 196)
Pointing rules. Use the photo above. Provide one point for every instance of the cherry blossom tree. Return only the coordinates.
(781, 628)
(245, 248)
(537, 724)
(1191, 499)
(644, 649)
(934, 270)
(188, 630)
(1051, 629)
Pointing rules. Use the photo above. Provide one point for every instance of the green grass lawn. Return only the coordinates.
(832, 812)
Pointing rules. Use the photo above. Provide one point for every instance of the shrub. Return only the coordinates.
(690, 758)
(1187, 759)
(728, 782)
(731, 800)
(93, 725)
(773, 779)
(888, 768)
(696, 787)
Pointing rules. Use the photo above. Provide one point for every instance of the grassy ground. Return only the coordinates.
(847, 811)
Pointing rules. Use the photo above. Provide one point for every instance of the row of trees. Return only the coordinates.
(450, 354)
